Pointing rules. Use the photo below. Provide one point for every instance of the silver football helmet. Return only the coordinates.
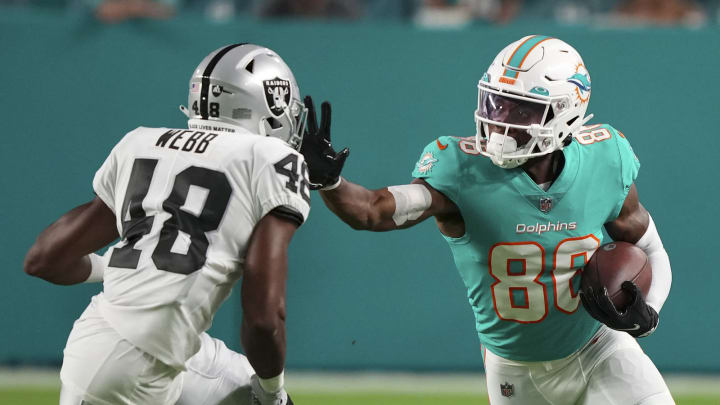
(250, 87)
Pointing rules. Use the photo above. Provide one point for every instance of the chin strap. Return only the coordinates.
(586, 119)
(184, 110)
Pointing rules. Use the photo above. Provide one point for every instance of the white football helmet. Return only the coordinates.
(250, 87)
(538, 89)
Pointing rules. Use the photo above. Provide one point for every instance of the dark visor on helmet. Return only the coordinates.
(510, 110)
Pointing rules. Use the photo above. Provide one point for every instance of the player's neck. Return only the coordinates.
(546, 168)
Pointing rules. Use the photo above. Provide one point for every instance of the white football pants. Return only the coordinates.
(611, 369)
(101, 368)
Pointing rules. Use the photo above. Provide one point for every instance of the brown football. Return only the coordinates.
(611, 265)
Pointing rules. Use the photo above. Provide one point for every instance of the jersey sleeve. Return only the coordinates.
(438, 166)
(279, 181)
(629, 167)
(106, 178)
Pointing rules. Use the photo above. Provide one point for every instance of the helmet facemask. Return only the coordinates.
(289, 126)
(513, 127)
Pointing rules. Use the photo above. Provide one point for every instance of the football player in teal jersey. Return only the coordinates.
(522, 206)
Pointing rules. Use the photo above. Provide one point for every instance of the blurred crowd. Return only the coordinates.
(435, 13)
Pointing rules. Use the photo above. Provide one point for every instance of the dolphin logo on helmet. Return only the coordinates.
(580, 80)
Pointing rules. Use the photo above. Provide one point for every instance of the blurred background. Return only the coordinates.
(78, 74)
(453, 13)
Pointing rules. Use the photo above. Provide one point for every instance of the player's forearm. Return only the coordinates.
(54, 257)
(263, 302)
(264, 343)
(67, 272)
(62, 252)
(651, 244)
(359, 207)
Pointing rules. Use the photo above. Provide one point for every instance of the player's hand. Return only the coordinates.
(638, 319)
(324, 164)
(261, 397)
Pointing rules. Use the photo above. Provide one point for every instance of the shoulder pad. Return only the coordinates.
(441, 160)
(610, 152)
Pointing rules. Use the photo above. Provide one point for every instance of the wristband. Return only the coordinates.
(97, 269)
(332, 187)
(273, 384)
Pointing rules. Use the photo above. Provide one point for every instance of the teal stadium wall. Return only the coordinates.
(70, 88)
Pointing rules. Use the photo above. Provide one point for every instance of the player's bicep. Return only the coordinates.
(632, 222)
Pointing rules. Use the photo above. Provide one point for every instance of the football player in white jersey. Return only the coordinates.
(195, 209)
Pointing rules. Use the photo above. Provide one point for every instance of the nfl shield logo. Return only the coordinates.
(277, 95)
(507, 390)
(546, 204)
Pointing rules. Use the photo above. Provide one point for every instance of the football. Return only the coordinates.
(611, 265)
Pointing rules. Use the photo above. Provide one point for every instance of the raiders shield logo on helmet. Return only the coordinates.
(277, 95)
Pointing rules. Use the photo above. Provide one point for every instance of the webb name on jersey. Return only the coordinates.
(524, 247)
(186, 203)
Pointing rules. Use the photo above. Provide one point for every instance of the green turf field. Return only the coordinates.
(43, 396)
(41, 386)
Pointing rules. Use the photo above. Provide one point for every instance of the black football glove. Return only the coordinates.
(324, 164)
(639, 319)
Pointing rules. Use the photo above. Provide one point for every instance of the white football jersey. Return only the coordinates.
(186, 202)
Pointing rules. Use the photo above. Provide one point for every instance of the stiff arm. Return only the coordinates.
(390, 208)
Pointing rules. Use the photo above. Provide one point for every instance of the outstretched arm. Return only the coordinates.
(386, 209)
(60, 254)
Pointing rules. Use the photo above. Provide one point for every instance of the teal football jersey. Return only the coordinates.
(524, 248)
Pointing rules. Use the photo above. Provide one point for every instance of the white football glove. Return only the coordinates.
(261, 397)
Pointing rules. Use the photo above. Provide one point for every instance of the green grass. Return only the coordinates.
(29, 396)
(382, 399)
(44, 396)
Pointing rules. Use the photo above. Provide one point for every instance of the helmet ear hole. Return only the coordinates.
(573, 119)
(274, 124)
